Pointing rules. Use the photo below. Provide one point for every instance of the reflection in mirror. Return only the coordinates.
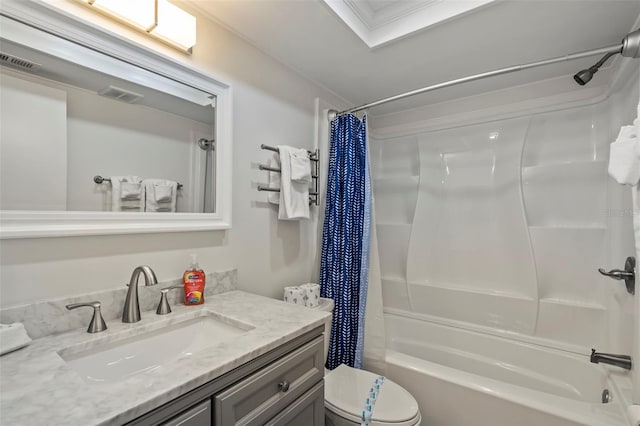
(76, 139)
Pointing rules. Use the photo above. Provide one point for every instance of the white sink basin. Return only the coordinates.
(117, 360)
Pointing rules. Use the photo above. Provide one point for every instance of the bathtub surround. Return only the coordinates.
(493, 222)
(501, 221)
(48, 317)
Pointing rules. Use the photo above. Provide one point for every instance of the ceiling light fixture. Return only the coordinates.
(175, 25)
(158, 18)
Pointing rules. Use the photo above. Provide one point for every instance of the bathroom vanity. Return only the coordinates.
(283, 387)
(238, 359)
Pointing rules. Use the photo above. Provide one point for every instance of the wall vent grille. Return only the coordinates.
(6, 59)
(119, 94)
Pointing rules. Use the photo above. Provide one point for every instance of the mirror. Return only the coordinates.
(136, 139)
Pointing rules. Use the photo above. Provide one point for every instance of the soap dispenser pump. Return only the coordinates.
(194, 281)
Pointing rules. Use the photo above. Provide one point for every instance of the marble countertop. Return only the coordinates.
(37, 387)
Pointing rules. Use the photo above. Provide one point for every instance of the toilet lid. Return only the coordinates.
(346, 389)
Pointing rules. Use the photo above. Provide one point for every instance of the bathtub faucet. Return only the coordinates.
(622, 361)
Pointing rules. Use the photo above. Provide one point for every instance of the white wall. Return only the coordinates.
(33, 158)
(272, 105)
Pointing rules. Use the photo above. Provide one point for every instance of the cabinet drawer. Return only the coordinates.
(200, 415)
(265, 393)
(308, 410)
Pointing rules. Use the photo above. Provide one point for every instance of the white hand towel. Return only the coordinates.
(300, 165)
(130, 191)
(624, 157)
(123, 193)
(164, 193)
(311, 294)
(151, 201)
(294, 196)
(294, 295)
(274, 179)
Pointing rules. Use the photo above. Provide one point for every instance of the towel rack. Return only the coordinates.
(100, 179)
(314, 157)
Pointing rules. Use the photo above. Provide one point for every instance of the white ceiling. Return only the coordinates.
(309, 37)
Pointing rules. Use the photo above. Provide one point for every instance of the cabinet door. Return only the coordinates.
(308, 410)
(200, 415)
(262, 395)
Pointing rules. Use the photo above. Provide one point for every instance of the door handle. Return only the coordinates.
(617, 274)
(628, 274)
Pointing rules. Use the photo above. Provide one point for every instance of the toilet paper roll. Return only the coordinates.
(294, 295)
(311, 294)
(634, 414)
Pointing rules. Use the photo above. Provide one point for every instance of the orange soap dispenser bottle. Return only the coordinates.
(194, 281)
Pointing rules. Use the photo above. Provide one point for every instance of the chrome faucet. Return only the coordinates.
(97, 323)
(131, 311)
(622, 361)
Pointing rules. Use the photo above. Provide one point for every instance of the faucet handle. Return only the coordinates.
(163, 306)
(97, 323)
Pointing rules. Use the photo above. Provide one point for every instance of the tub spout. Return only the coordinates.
(622, 361)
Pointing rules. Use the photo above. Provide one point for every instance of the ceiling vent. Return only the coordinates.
(121, 95)
(14, 61)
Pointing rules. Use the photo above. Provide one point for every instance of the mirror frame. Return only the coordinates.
(48, 21)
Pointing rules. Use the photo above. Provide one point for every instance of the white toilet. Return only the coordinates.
(346, 388)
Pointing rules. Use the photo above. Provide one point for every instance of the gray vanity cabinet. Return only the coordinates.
(284, 387)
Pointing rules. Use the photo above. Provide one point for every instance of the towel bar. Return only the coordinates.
(266, 188)
(272, 169)
(100, 179)
(314, 156)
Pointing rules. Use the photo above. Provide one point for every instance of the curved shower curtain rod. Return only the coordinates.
(629, 47)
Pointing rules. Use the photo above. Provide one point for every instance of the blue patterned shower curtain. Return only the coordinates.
(344, 263)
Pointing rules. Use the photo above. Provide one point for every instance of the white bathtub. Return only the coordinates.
(466, 378)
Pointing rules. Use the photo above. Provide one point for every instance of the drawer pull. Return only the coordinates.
(283, 386)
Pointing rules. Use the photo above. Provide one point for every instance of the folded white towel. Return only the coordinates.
(130, 191)
(294, 295)
(624, 157)
(311, 294)
(12, 337)
(129, 205)
(300, 165)
(294, 196)
(126, 193)
(160, 195)
(274, 179)
(164, 193)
